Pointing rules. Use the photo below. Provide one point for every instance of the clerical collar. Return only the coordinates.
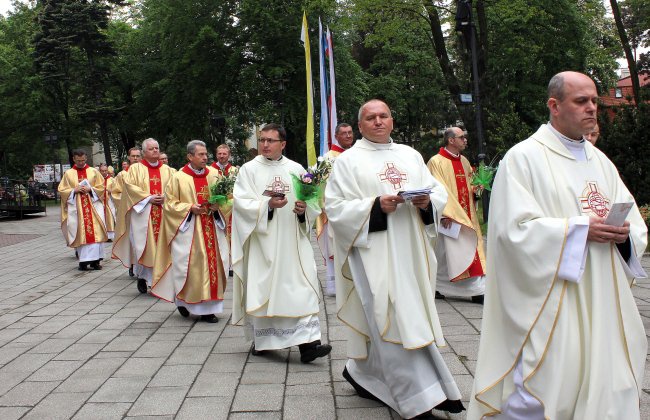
(221, 166)
(148, 164)
(81, 169)
(378, 146)
(576, 147)
(196, 171)
(456, 155)
(275, 160)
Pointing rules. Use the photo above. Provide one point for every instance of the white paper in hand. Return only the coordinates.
(452, 231)
(618, 213)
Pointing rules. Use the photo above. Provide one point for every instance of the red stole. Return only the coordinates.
(155, 187)
(337, 148)
(465, 201)
(215, 266)
(225, 170)
(86, 210)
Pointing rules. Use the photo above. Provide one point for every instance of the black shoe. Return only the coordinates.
(312, 351)
(183, 311)
(425, 415)
(229, 273)
(212, 318)
(256, 352)
(95, 265)
(451, 406)
(131, 274)
(439, 295)
(83, 266)
(142, 286)
(361, 391)
(478, 299)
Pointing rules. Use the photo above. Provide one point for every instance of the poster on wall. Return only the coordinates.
(44, 173)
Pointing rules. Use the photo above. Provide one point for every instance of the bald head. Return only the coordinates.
(375, 121)
(572, 103)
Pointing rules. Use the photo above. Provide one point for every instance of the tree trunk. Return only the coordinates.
(440, 48)
(634, 75)
(103, 134)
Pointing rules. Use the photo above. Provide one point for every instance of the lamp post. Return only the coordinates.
(466, 27)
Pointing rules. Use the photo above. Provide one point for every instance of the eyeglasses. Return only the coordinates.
(460, 137)
(269, 141)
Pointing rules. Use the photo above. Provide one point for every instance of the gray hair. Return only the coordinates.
(556, 87)
(373, 100)
(340, 126)
(191, 146)
(448, 134)
(149, 140)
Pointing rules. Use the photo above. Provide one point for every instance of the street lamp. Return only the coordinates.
(466, 27)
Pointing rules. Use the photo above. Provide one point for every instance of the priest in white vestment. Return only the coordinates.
(386, 270)
(275, 288)
(192, 252)
(82, 211)
(561, 337)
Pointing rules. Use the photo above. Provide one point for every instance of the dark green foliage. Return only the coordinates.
(626, 141)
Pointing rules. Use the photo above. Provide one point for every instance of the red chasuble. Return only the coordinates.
(155, 187)
(89, 229)
(225, 171)
(464, 191)
(337, 148)
(209, 234)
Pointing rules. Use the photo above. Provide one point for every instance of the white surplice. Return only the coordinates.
(275, 286)
(561, 333)
(386, 279)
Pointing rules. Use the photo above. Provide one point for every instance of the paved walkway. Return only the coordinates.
(87, 345)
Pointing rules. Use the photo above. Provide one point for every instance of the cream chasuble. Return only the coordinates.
(385, 280)
(581, 346)
(275, 283)
(402, 253)
(136, 240)
(461, 258)
(192, 249)
(82, 215)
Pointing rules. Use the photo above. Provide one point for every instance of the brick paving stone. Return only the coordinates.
(102, 411)
(58, 406)
(159, 401)
(214, 408)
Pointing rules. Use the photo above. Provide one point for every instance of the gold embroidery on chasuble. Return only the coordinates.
(214, 264)
(86, 211)
(593, 201)
(393, 175)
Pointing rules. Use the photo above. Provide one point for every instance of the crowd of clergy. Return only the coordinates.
(561, 336)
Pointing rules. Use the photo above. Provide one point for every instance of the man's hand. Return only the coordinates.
(421, 201)
(445, 222)
(602, 233)
(278, 202)
(157, 199)
(198, 209)
(300, 207)
(82, 189)
(388, 203)
(214, 207)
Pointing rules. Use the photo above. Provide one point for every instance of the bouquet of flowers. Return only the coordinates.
(310, 186)
(483, 177)
(221, 191)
